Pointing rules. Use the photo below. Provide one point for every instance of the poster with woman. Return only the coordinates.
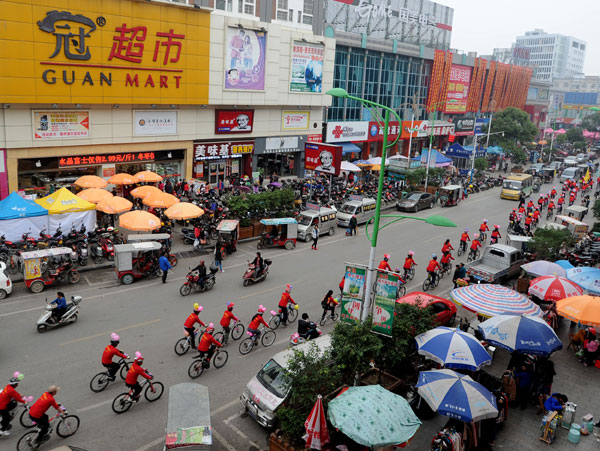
(245, 59)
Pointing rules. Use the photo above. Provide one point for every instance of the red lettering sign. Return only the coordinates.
(104, 159)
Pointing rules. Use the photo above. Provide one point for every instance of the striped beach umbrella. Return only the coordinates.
(490, 300)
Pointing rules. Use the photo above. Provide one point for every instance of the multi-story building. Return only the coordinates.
(553, 55)
(572, 98)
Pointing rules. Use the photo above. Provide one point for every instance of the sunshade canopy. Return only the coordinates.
(184, 210)
(94, 195)
(160, 200)
(553, 288)
(586, 277)
(139, 220)
(148, 176)
(490, 300)
(143, 191)
(114, 205)
(14, 206)
(64, 201)
(91, 181)
(228, 225)
(544, 268)
(581, 309)
(123, 178)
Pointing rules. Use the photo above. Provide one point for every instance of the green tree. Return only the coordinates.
(547, 242)
(591, 122)
(561, 139)
(516, 126)
(575, 135)
(481, 164)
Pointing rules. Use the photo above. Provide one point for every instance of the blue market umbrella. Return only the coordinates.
(456, 395)
(566, 264)
(453, 348)
(586, 277)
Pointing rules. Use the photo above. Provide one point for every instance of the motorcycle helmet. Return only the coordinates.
(198, 308)
(210, 328)
(434, 256)
(114, 339)
(411, 253)
(386, 257)
(16, 378)
(230, 306)
(139, 358)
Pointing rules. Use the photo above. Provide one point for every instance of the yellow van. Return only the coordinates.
(515, 184)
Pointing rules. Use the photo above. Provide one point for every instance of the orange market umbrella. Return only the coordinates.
(160, 200)
(114, 205)
(94, 195)
(123, 178)
(143, 191)
(91, 181)
(184, 210)
(139, 221)
(148, 177)
(584, 310)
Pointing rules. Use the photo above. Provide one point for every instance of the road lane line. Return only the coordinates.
(238, 431)
(220, 438)
(102, 334)
(225, 407)
(94, 406)
(153, 443)
(21, 311)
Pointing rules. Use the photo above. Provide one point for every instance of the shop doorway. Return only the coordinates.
(216, 172)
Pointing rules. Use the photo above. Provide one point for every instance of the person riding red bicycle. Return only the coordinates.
(256, 321)
(475, 244)
(208, 344)
(286, 298)
(9, 397)
(495, 235)
(226, 321)
(446, 259)
(384, 264)
(37, 412)
(463, 240)
(109, 352)
(447, 247)
(191, 321)
(409, 263)
(134, 372)
(483, 227)
(432, 267)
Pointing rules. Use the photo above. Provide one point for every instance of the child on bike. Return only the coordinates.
(447, 246)
(464, 238)
(226, 321)
(483, 227)
(207, 344)
(409, 262)
(329, 303)
(432, 267)
(475, 244)
(256, 321)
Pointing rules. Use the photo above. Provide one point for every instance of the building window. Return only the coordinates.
(282, 10)
(582, 46)
(225, 5)
(246, 7)
(307, 10)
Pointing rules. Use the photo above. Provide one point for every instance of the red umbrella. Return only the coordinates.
(317, 434)
(553, 288)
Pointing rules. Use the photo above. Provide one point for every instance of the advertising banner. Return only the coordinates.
(219, 150)
(245, 56)
(353, 293)
(316, 138)
(154, 123)
(458, 89)
(307, 67)
(234, 121)
(464, 127)
(321, 157)
(481, 124)
(295, 120)
(61, 124)
(386, 290)
(347, 131)
(422, 129)
(122, 157)
(376, 131)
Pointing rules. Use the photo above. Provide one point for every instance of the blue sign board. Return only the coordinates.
(480, 123)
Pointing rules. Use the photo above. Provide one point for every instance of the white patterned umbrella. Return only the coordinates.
(491, 300)
(544, 268)
(553, 288)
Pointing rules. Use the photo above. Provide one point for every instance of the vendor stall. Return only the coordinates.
(66, 209)
(18, 215)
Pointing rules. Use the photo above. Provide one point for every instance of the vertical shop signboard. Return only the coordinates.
(386, 290)
(353, 293)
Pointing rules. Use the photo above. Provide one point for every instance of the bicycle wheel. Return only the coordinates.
(459, 252)
(26, 442)
(219, 336)
(182, 346)
(246, 346)
(124, 369)
(323, 321)
(401, 292)
(152, 396)
(335, 317)
(67, 426)
(437, 281)
(25, 419)
(196, 369)
(274, 322)
(99, 382)
(122, 403)
(292, 315)
(220, 359)
(441, 273)
(411, 273)
(477, 254)
(268, 338)
(426, 284)
(238, 331)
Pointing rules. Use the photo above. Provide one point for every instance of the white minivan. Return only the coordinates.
(363, 209)
(325, 217)
(572, 173)
(267, 391)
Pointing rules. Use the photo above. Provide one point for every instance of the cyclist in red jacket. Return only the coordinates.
(495, 234)
(286, 298)
(38, 410)
(109, 352)
(409, 262)
(8, 401)
(207, 344)
(191, 321)
(226, 321)
(256, 321)
(446, 259)
(484, 227)
(432, 267)
(132, 375)
(384, 264)
(447, 247)
(463, 239)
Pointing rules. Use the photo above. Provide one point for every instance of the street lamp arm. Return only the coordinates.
(371, 104)
(435, 220)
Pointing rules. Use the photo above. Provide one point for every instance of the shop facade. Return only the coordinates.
(280, 155)
(216, 160)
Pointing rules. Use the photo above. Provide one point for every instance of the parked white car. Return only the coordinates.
(5, 282)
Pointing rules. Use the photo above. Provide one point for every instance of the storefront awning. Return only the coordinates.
(349, 148)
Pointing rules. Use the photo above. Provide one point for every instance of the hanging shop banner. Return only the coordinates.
(353, 293)
(376, 131)
(458, 89)
(464, 127)
(422, 129)
(234, 121)
(282, 144)
(316, 138)
(61, 124)
(245, 59)
(386, 290)
(123, 157)
(295, 120)
(154, 123)
(347, 131)
(220, 150)
(321, 157)
(307, 67)
(481, 124)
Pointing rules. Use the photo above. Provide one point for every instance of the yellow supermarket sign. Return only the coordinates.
(103, 51)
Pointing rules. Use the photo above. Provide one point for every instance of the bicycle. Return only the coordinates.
(482, 236)
(446, 269)
(401, 288)
(183, 345)
(154, 390)
(101, 380)
(330, 317)
(267, 339)
(66, 427)
(409, 274)
(200, 363)
(428, 283)
(24, 418)
(474, 254)
(275, 320)
(236, 331)
(462, 248)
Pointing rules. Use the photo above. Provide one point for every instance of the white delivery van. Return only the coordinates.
(571, 173)
(267, 390)
(363, 209)
(325, 217)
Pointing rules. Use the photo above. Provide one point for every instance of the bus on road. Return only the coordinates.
(516, 184)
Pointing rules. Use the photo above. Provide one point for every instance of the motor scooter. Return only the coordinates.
(248, 277)
(192, 281)
(48, 321)
(296, 339)
(82, 251)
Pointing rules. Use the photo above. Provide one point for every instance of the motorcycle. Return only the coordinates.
(82, 251)
(192, 281)
(296, 339)
(248, 277)
(96, 251)
(48, 321)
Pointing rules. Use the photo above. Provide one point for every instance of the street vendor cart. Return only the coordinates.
(278, 232)
(188, 420)
(48, 266)
(228, 231)
(450, 195)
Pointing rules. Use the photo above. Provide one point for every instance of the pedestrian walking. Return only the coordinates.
(315, 236)
(165, 265)
(455, 275)
(218, 256)
(353, 225)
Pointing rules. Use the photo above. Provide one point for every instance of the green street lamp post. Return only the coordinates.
(435, 220)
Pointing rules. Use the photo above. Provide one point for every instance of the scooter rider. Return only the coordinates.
(201, 268)
(8, 401)
(286, 298)
(38, 410)
(61, 306)
(191, 321)
(109, 352)
(259, 264)
(306, 328)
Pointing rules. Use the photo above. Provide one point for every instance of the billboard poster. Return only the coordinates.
(321, 157)
(353, 293)
(234, 121)
(307, 67)
(295, 120)
(347, 131)
(386, 290)
(61, 124)
(245, 56)
(458, 89)
(465, 127)
(153, 123)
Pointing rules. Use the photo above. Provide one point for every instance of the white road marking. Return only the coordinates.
(239, 432)
(101, 334)
(94, 406)
(221, 439)
(153, 443)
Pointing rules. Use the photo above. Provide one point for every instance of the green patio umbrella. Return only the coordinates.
(373, 416)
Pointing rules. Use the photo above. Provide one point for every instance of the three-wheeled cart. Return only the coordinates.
(137, 260)
(450, 195)
(278, 232)
(188, 420)
(228, 231)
